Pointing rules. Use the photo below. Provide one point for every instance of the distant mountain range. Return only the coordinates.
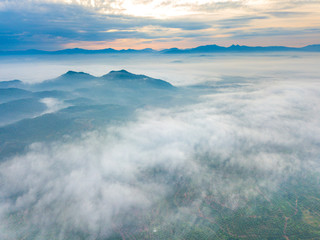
(201, 49)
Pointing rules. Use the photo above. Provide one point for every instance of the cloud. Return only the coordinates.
(53, 104)
(298, 32)
(53, 25)
(238, 22)
(225, 146)
(284, 14)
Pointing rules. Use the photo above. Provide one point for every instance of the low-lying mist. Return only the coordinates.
(235, 140)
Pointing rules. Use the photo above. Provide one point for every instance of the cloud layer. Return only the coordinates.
(157, 24)
(226, 145)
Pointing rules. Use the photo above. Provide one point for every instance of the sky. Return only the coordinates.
(157, 24)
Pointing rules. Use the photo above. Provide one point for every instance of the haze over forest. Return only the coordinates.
(176, 151)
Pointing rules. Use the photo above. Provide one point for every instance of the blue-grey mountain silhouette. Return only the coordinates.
(11, 84)
(200, 49)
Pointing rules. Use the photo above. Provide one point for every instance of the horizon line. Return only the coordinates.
(159, 50)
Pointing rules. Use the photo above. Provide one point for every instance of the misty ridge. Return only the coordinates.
(79, 89)
(129, 156)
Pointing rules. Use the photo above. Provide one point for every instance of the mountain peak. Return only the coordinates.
(70, 77)
(120, 71)
(121, 74)
(13, 84)
(73, 73)
(127, 79)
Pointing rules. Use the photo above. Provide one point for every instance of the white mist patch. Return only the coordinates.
(225, 147)
(53, 104)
